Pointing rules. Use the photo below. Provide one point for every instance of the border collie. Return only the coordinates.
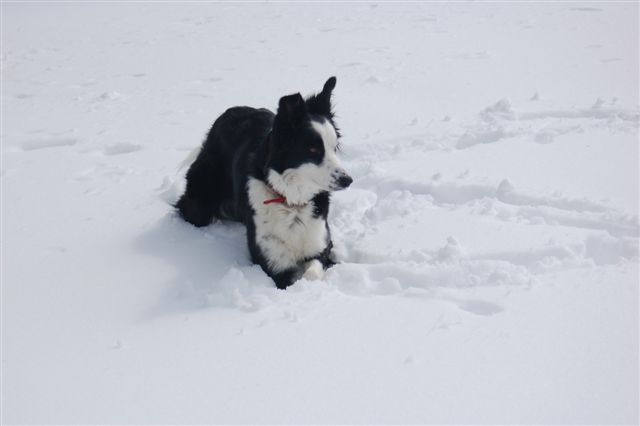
(274, 173)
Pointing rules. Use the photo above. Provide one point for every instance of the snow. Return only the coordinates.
(488, 245)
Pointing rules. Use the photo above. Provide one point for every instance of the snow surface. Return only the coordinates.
(489, 244)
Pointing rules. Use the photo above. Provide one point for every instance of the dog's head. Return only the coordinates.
(302, 160)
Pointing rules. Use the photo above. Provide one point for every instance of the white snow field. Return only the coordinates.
(488, 246)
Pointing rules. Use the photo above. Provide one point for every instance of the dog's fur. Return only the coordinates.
(274, 173)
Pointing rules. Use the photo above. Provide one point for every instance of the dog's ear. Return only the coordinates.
(321, 102)
(329, 85)
(291, 110)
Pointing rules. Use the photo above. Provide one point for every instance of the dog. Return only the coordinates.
(274, 173)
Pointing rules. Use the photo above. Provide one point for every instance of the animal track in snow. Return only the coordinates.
(37, 144)
(480, 307)
(121, 148)
(455, 192)
(108, 96)
(500, 121)
(377, 198)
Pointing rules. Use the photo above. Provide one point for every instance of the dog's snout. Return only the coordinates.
(344, 181)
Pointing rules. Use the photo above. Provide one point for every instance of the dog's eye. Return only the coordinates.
(314, 150)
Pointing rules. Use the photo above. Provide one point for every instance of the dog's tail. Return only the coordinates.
(189, 159)
(173, 185)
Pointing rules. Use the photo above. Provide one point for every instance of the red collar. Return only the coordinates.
(279, 200)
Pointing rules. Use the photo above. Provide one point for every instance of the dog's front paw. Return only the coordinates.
(314, 271)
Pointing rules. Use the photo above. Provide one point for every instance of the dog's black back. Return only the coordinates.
(232, 151)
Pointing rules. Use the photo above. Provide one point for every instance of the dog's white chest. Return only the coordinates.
(285, 234)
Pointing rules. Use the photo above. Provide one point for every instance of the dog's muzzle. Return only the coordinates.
(345, 181)
(341, 181)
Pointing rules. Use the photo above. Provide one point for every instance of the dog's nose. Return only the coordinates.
(344, 181)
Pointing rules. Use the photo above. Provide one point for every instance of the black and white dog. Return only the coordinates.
(274, 173)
